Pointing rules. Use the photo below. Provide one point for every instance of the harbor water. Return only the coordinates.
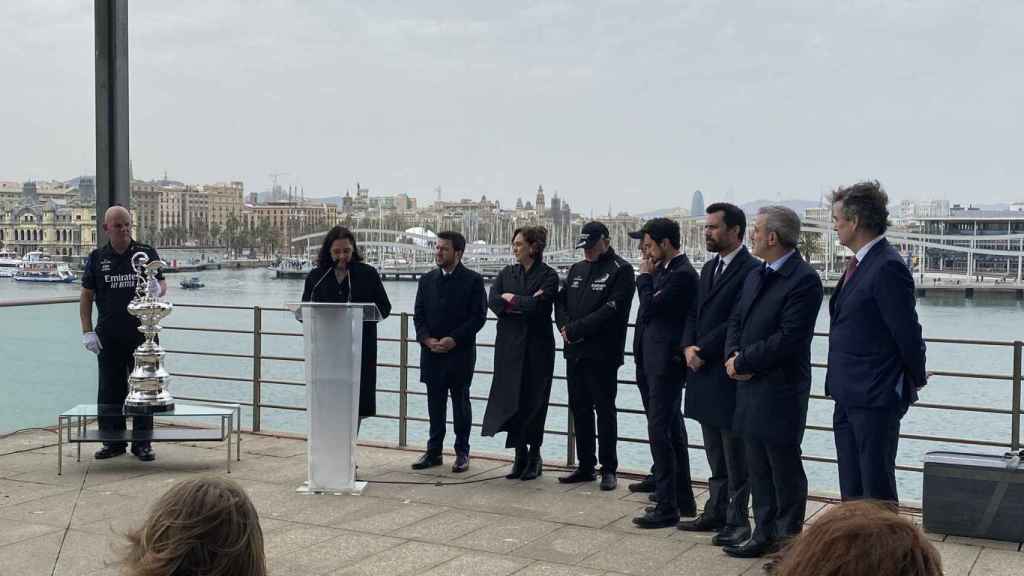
(45, 370)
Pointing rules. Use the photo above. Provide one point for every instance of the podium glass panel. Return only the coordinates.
(333, 341)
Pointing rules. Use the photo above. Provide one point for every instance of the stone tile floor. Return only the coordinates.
(73, 524)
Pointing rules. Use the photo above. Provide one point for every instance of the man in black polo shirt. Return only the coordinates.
(109, 281)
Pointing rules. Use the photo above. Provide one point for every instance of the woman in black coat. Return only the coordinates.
(524, 356)
(341, 276)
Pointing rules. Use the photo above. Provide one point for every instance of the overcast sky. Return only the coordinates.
(632, 105)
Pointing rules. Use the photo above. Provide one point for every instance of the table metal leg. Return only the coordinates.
(60, 443)
(228, 436)
(78, 446)
(238, 435)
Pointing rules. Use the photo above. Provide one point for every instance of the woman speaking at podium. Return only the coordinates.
(342, 276)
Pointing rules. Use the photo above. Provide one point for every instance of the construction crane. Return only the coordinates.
(274, 176)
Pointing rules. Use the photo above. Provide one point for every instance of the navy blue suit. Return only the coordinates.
(665, 301)
(770, 330)
(876, 362)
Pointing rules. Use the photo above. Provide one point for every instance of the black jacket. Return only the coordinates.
(524, 348)
(455, 306)
(710, 393)
(771, 329)
(593, 307)
(364, 285)
(665, 300)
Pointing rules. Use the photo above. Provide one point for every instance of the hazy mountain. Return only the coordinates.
(750, 208)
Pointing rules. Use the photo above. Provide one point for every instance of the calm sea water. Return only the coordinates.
(45, 370)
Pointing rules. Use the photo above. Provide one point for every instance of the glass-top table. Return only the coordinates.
(75, 424)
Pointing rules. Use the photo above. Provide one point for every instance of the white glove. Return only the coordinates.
(154, 287)
(298, 314)
(92, 342)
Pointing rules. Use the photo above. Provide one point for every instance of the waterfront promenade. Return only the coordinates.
(70, 525)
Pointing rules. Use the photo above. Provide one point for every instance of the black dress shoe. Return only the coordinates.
(534, 468)
(750, 549)
(608, 481)
(731, 536)
(519, 465)
(144, 453)
(657, 519)
(702, 523)
(645, 485)
(427, 460)
(461, 463)
(578, 475)
(108, 452)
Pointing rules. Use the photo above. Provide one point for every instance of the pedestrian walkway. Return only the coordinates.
(404, 523)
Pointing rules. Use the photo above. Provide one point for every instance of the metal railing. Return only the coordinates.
(404, 366)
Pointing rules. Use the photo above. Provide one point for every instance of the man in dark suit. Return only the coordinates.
(876, 356)
(710, 394)
(451, 307)
(667, 286)
(768, 346)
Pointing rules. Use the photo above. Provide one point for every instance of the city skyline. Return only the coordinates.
(632, 107)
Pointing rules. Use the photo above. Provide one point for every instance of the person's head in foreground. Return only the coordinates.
(860, 538)
(204, 526)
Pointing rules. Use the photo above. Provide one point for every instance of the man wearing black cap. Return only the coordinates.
(667, 287)
(592, 311)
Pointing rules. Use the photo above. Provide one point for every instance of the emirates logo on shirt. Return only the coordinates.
(119, 280)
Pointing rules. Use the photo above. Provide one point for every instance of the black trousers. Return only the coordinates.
(437, 408)
(866, 443)
(116, 362)
(645, 399)
(593, 385)
(779, 487)
(728, 485)
(668, 442)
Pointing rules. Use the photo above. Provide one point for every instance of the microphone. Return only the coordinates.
(312, 293)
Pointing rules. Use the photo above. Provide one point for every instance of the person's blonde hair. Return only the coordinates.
(202, 526)
(860, 538)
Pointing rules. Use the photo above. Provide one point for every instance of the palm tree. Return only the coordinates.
(809, 245)
(215, 230)
(231, 227)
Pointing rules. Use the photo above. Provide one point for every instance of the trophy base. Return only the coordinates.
(145, 409)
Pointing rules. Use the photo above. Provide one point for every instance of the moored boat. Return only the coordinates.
(292, 268)
(8, 263)
(36, 267)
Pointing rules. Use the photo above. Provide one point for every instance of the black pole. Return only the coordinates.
(112, 165)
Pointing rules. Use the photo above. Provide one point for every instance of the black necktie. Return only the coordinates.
(718, 271)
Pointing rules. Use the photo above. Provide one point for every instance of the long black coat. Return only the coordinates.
(366, 287)
(771, 328)
(455, 306)
(524, 351)
(710, 393)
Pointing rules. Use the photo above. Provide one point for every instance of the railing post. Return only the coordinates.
(257, 355)
(1015, 408)
(570, 448)
(403, 383)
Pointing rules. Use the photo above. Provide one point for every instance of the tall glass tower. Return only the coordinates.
(697, 204)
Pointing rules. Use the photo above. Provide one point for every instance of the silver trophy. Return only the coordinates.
(147, 384)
